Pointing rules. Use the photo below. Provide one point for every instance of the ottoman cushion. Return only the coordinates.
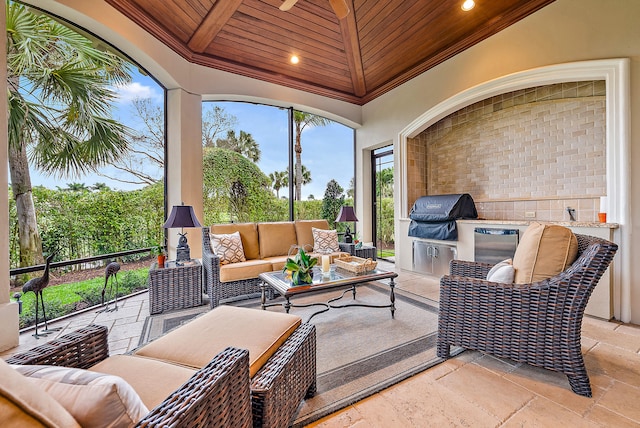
(197, 342)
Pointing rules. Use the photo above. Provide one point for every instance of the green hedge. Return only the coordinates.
(78, 224)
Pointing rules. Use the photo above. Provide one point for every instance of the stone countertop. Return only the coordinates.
(559, 223)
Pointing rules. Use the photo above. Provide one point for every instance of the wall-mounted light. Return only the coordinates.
(294, 59)
(468, 5)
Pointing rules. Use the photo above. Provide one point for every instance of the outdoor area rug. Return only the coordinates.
(360, 351)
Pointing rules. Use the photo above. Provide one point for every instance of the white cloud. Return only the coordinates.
(127, 93)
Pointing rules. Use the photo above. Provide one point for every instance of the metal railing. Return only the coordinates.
(28, 269)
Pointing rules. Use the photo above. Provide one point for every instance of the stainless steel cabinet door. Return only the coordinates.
(422, 257)
(442, 256)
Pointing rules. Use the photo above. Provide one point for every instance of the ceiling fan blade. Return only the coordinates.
(287, 4)
(340, 7)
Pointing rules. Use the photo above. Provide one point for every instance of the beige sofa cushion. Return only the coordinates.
(304, 234)
(277, 262)
(95, 400)
(544, 251)
(276, 238)
(197, 342)
(248, 233)
(23, 404)
(152, 380)
(244, 270)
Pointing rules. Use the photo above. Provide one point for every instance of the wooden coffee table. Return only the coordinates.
(338, 278)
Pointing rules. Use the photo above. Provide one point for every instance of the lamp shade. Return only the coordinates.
(182, 216)
(346, 214)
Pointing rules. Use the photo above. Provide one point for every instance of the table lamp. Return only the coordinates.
(182, 216)
(347, 214)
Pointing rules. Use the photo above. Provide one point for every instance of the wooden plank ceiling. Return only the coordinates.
(379, 45)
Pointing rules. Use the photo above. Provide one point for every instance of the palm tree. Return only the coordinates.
(59, 101)
(101, 187)
(278, 181)
(306, 178)
(74, 187)
(243, 144)
(303, 120)
(384, 180)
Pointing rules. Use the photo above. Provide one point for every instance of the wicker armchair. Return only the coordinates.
(537, 324)
(216, 395)
(217, 290)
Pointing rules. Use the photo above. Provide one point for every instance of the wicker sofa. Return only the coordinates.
(537, 323)
(223, 392)
(266, 248)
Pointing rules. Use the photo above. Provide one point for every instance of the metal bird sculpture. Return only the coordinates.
(37, 285)
(110, 272)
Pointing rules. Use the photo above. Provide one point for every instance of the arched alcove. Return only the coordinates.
(615, 72)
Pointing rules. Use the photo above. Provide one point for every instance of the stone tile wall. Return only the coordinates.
(537, 150)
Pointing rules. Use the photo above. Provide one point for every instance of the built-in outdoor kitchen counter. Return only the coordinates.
(601, 301)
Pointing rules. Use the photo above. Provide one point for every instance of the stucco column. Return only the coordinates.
(8, 310)
(184, 163)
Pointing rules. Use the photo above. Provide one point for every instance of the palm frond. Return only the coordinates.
(60, 98)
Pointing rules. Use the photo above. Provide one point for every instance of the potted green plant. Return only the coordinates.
(300, 268)
(158, 250)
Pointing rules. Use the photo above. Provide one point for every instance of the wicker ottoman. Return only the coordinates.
(175, 287)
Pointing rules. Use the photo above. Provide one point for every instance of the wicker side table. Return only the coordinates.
(363, 252)
(175, 287)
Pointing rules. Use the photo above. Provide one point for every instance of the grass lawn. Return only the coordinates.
(386, 253)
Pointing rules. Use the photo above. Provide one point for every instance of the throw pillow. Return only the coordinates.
(24, 404)
(544, 251)
(228, 247)
(325, 240)
(93, 399)
(502, 272)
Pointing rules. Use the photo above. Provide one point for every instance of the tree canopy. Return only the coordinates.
(234, 188)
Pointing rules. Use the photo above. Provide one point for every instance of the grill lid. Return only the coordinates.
(436, 208)
(442, 230)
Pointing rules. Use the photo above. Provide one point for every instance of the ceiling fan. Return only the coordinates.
(340, 7)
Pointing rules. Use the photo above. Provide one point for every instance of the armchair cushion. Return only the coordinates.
(544, 251)
(228, 246)
(24, 404)
(196, 342)
(153, 380)
(93, 399)
(248, 234)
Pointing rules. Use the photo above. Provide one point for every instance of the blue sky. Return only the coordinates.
(326, 151)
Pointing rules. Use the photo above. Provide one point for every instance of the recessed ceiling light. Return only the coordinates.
(468, 5)
(294, 59)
